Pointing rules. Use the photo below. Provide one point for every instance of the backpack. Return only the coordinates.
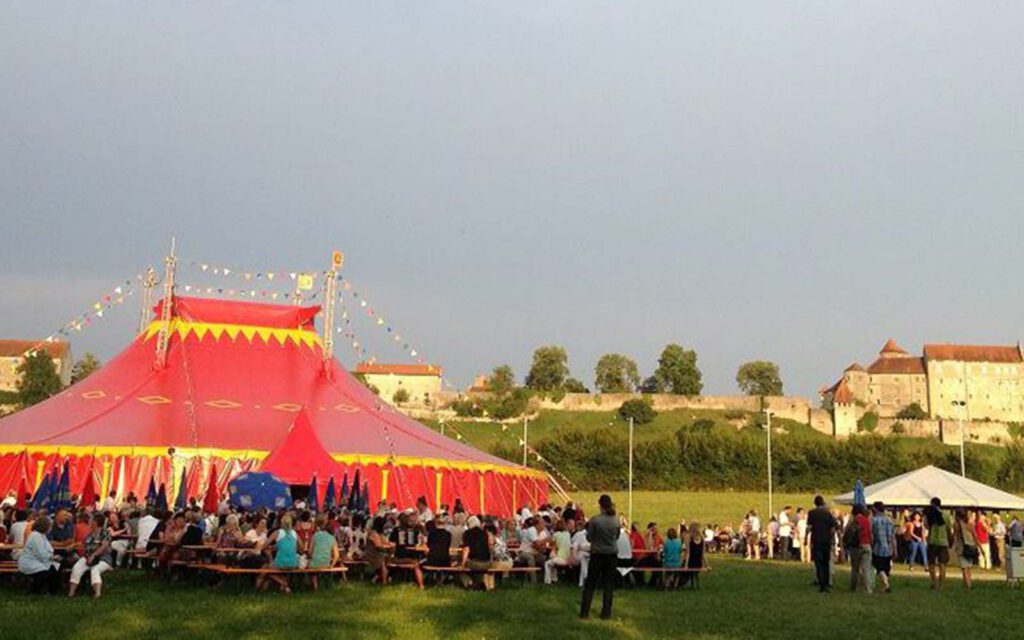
(851, 537)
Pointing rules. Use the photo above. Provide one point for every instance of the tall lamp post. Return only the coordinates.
(961, 406)
(768, 416)
(630, 510)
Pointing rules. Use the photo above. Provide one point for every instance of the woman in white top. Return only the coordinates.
(37, 560)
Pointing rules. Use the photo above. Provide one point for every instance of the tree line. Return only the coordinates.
(677, 373)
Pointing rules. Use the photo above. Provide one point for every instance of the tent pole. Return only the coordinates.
(165, 312)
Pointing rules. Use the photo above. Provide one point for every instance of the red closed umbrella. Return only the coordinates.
(22, 502)
(88, 498)
(212, 497)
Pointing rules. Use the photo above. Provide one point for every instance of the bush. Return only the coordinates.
(466, 408)
(868, 422)
(898, 428)
(401, 395)
(639, 410)
(734, 414)
(508, 406)
(912, 411)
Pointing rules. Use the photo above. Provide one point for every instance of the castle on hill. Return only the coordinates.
(948, 381)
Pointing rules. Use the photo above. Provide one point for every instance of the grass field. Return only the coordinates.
(738, 600)
(706, 507)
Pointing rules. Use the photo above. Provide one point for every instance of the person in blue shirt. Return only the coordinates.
(37, 561)
(672, 556)
(883, 543)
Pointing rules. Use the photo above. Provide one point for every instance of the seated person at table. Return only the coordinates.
(476, 555)
(439, 544)
(376, 550)
(62, 535)
(500, 556)
(119, 533)
(323, 549)
(560, 554)
(37, 560)
(285, 542)
(406, 538)
(96, 558)
(172, 541)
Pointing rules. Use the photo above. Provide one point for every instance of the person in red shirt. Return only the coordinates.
(640, 555)
(981, 531)
(860, 564)
(81, 531)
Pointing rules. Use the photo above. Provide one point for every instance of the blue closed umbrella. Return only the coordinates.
(181, 501)
(858, 494)
(256, 490)
(313, 500)
(41, 498)
(353, 498)
(161, 498)
(151, 493)
(62, 498)
(343, 500)
(330, 500)
(364, 498)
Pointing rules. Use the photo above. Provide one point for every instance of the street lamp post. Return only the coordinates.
(630, 510)
(962, 409)
(526, 434)
(768, 417)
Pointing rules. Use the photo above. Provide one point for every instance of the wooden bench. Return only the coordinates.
(460, 570)
(694, 573)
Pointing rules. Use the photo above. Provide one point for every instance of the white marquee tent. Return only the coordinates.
(917, 488)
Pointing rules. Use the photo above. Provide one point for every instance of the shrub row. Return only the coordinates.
(706, 457)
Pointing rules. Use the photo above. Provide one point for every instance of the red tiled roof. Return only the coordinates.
(399, 369)
(972, 353)
(17, 348)
(854, 367)
(896, 366)
(892, 347)
(843, 394)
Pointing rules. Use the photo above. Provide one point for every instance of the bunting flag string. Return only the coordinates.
(266, 294)
(300, 278)
(530, 450)
(113, 298)
(360, 301)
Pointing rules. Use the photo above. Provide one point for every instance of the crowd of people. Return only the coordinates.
(554, 540)
(561, 543)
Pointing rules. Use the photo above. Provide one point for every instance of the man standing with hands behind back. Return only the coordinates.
(602, 533)
(821, 529)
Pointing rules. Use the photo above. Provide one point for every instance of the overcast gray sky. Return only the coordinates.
(756, 180)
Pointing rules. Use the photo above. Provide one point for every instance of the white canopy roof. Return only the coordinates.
(917, 488)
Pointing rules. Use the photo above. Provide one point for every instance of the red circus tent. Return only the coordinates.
(300, 455)
(236, 377)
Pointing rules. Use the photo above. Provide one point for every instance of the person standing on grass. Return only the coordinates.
(999, 537)
(603, 535)
(915, 533)
(857, 540)
(821, 529)
(965, 544)
(800, 541)
(785, 533)
(753, 536)
(883, 545)
(982, 529)
(938, 542)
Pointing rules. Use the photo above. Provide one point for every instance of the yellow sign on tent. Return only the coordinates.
(305, 281)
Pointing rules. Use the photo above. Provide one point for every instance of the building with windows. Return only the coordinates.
(12, 352)
(422, 382)
(948, 381)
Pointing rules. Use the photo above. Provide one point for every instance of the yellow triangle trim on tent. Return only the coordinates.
(200, 329)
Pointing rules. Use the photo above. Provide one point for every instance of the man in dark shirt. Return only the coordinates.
(821, 529)
(476, 555)
(603, 535)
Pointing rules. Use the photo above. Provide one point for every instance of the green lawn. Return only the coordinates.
(738, 600)
(706, 507)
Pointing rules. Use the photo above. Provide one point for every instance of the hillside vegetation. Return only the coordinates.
(708, 449)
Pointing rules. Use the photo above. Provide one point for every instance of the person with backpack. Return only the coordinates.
(938, 542)
(857, 541)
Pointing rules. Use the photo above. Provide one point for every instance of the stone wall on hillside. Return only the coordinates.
(948, 431)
